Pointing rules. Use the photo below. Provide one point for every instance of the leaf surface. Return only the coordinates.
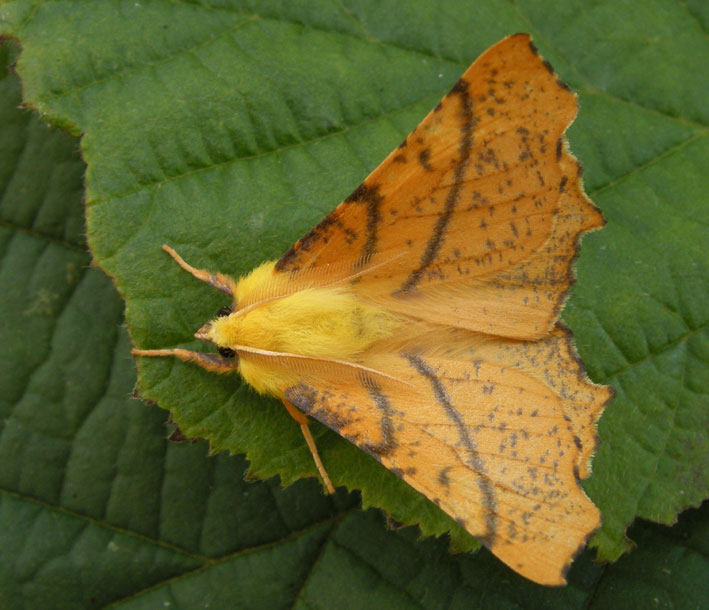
(229, 129)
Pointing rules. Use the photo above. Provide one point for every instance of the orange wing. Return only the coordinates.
(482, 198)
(469, 230)
(490, 431)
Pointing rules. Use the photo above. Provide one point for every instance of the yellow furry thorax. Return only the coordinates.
(328, 323)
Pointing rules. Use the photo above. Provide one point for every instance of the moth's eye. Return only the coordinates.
(224, 311)
(227, 352)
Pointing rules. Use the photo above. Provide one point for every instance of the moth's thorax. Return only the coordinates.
(327, 323)
(319, 322)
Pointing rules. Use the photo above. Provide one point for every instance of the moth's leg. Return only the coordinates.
(218, 280)
(303, 420)
(212, 362)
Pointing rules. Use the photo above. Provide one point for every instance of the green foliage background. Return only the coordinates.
(227, 129)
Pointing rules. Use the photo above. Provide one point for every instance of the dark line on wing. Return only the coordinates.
(473, 460)
(386, 425)
(305, 243)
(364, 193)
(313, 402)
(369, 195)
(452, 198)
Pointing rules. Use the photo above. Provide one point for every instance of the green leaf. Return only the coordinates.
(227, 131)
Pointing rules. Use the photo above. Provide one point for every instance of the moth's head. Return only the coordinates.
(217, 332)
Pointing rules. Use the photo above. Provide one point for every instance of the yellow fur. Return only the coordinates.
(261, 283)
(326, 323)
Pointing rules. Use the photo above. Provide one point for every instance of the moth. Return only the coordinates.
(419, 320)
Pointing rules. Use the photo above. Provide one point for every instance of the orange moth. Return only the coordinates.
(419, 319)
